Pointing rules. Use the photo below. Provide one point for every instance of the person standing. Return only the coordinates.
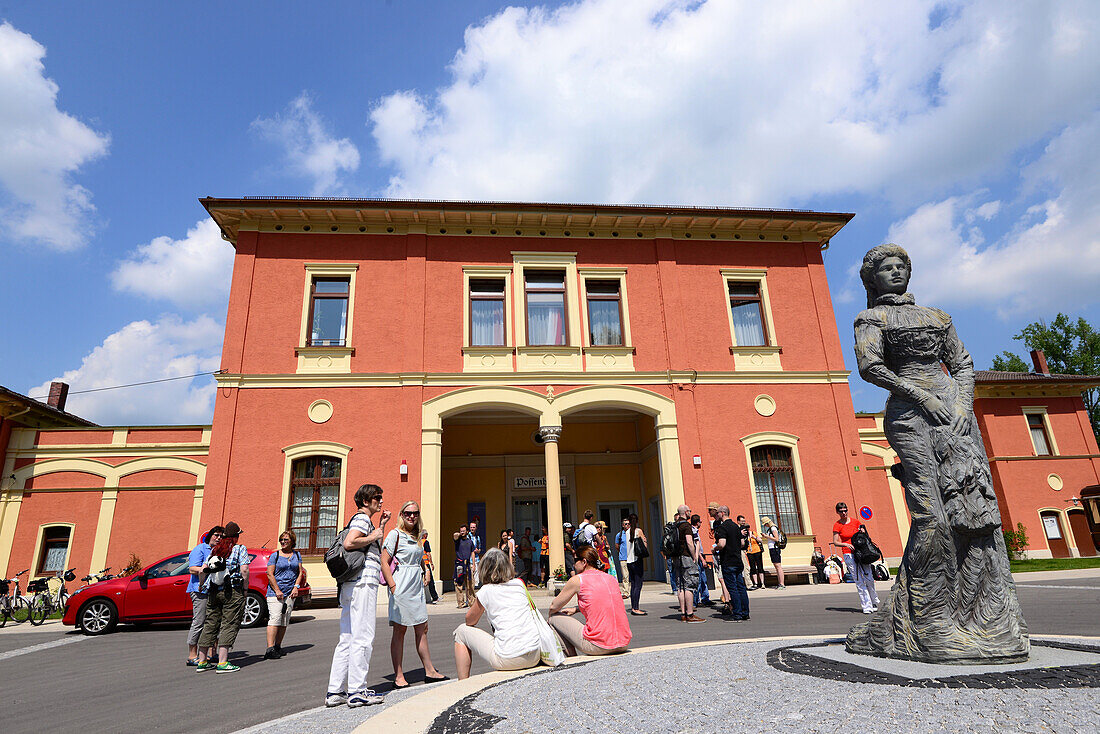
(525, 552)
(622, 541)
(285, 576)
(843, 530)
(196, 589)
(347, 681)
(634, 536)
(227, 591)
(771, 536)
(475, 556)
(730, 539)
(430, 595)
(685, 565)
(701, 593)
(544, 542)
(406, 583)
(715, 555)
(754, 551)
(586, 530)
(463, 575)
(603, 548)
(567, 534)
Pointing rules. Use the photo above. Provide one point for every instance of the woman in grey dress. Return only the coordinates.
(953, 600)
(406, 583)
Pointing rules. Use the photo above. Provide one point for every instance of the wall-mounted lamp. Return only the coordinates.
(404, 470)
(1075, 500)
(697, 461)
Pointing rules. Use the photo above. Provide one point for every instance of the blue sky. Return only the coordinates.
(967, 132)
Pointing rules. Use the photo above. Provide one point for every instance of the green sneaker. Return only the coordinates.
(227, 668)
(204, 666)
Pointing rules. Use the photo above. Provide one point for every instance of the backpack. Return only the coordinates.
(578, 535)
(342, 564)
(863, 550)
(671, 544)
(782, 542)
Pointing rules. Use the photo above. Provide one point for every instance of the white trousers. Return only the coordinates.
(351, 659)
(865, 582)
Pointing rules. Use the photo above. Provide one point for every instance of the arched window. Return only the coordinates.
(776, 494)
(315, 502)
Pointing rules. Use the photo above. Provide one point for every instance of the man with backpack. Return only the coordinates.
(678, 543)
(360, 565)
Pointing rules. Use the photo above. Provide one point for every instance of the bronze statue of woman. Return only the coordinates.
(953, 600)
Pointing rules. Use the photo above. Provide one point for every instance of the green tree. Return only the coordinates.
(1009, 362)
(1071, 348)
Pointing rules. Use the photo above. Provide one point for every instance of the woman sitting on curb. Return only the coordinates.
(606, 630)
(515, 642)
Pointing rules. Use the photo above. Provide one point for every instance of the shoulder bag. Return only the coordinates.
(641, 550)
(550, 649)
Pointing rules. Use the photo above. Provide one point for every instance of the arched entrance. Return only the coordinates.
(518, 451)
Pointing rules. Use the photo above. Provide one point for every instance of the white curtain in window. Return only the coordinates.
(487, 323)
(55, 558)
(1040, 440)
(545, 319)
(603, 317)
(748, 329)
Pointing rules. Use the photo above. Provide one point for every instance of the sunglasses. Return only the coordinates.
(411, 513)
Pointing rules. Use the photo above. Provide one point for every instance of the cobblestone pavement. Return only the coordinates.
(731, 688)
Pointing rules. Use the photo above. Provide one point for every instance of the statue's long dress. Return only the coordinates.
(953, 600)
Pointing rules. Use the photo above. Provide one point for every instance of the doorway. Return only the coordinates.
(1056, 539)
(1079, 524)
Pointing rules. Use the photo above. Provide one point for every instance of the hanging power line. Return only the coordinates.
(135, 384)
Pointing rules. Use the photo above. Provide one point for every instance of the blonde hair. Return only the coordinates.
(495, 567)
(419, 527)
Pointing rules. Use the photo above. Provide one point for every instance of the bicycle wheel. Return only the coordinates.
(20, 610)
(62, 597)
(5, 607)
(39, 609)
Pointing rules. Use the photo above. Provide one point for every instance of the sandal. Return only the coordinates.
(638, 612)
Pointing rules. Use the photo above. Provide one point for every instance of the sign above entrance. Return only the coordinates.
(535, 483)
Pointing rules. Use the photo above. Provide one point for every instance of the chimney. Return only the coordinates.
(1040, 361)
(59, 392)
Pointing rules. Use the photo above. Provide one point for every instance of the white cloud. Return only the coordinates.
(750, 104)
(1048, 260)
(142, 351)
(41, 148)
(310, 149)
(193, 272)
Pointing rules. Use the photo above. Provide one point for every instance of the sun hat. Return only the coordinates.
(712, 505)
(766, 521)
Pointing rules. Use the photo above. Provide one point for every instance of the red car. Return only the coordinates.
(158, 593)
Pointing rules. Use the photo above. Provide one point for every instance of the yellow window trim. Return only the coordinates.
(36, 571)
(1040, 410)
(320, 360)
(567, 261)
(313, 448)
(789, 441)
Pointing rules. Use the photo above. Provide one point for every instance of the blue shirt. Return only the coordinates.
(622, 539)
(197, 557)
(285, 571)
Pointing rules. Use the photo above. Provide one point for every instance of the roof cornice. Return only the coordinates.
(527, 219)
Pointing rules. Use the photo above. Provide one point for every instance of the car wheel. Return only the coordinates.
(255, 610)
(97, 617)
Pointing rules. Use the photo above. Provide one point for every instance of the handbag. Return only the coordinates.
(393, 561)
(550, 649)
(641, 550)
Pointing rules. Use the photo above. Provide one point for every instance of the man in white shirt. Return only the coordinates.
(347, 681)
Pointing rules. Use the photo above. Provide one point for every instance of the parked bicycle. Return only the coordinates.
(44, 602)
(13, 606)
(95, 578)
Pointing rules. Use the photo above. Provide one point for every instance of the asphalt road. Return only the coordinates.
(135, 680)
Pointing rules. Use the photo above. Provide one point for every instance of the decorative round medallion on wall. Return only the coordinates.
(549, 360)
(319, 411)
(1054, 481)
(757, 359)
(488, 361)
(609, 360)
(324, 362)
(764, 404)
